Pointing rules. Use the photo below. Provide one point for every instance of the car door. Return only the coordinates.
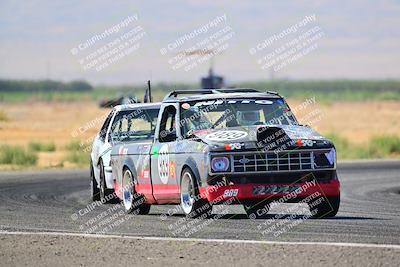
(163, 156)
(101, 146)
(132, 133)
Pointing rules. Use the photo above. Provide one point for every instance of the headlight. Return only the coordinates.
(220, 164)
(325, 159)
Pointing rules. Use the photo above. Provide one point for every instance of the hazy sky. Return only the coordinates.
(354, 39)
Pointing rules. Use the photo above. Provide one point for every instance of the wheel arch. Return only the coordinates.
(191, 164)
(128, 164)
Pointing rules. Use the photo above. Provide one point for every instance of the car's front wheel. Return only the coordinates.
(192, 204)
(133, 202)
(324, 207)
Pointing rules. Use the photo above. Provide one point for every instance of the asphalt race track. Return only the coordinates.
(47, 201)
(57, 201)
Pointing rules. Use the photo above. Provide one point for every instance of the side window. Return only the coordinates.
(116, 127)
(125, 121)
(168, 125)
(119, 129)
(103, 130)
(132, 125)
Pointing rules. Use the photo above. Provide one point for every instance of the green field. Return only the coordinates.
(326, 90)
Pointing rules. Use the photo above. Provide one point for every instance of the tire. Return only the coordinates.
(106, 195)
(192, 205)
(133, 203)
(328, 208)
(257, 210)
(94, 190)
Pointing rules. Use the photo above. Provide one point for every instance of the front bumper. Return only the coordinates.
(246, 192)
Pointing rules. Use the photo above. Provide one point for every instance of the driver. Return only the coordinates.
(248, 117)
(195, 120)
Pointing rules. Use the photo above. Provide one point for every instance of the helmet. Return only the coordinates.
(248, 117)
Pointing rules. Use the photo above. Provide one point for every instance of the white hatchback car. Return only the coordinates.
(123, 116)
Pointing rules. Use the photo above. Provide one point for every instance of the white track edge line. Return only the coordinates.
(335, 244)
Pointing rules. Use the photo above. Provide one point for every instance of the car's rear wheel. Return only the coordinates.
(94, 189)
(106, 195)
(326, 207)
(133, 202)
(192, 204)
(256, 210)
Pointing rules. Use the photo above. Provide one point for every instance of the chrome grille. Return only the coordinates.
(271, 161)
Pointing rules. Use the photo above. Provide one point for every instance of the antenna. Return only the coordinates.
(149, 88)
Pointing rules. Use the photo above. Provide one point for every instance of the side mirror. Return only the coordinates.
(167, 136)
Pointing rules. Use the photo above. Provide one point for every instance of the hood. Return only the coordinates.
(271, 136)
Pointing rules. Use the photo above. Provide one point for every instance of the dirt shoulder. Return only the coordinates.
(43, 250)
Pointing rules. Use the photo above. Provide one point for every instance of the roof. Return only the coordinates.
(137, 106)
(206, 94)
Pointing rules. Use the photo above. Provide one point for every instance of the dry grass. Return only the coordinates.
(46, 123)
(358, 122)
(3, 116)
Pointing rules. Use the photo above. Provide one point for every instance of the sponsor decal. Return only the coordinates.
(226, 135)
(155, 150)
(234, 101)
(300, 142)
(233, 146)
(144, 149)
(144, 174)
(275, 189)
(185, 105)
(231, 192)
(172, 169)
(244, 160)
(163, 164)
(123, 151)
(200, 132)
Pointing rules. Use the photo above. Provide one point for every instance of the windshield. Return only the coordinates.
(225, 113)
(131, 125)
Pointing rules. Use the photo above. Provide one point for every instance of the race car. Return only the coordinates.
(227, 146)
(137, 121)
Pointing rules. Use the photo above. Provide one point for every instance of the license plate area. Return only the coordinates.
(260, 190)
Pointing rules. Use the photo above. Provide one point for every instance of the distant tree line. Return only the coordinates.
(323, 89)
(326, 86)
(43, 86)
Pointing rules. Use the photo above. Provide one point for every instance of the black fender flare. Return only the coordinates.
(128, 163)
(191, 164)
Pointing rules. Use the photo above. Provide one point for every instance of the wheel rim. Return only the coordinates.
(187, 198)
(127, 189)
